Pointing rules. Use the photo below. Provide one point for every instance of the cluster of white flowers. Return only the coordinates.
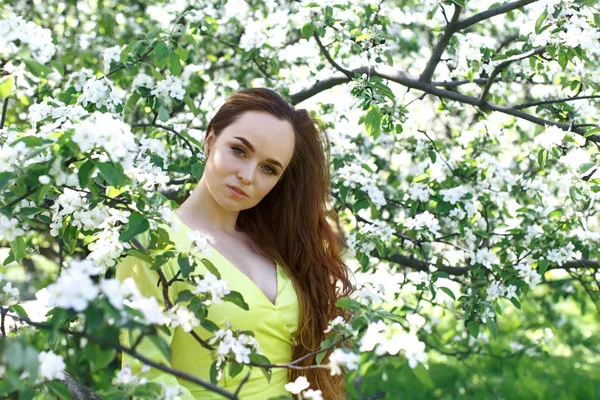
(378, 229)
(561, 255)
(73, 289)
(51, 366)
(419, 192)
(73, 203)
(103, 130)
(497, 290)
(147, 174)
(341, 358)
(338, 324)
(369, 293)
(181, 316)
(9, 295)
(106, 247)
(424, 220)
(453, 195)
(392, 339)
(230, 344)
(9, 228)
(169, 87)
(111, 54)
(485, 257)
(125, 377)
(79, 78)
(142, 80)
(56, 110)
(211, 286)
(301, 385)
(528, 274)
(551, 137)
(200, 242)
(366, 246)
(12, 156)
(100, 92)
(354, 175)
(15, 33)
(170, 392)
(152, 312)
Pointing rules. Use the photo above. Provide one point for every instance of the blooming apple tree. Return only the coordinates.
(464, 141)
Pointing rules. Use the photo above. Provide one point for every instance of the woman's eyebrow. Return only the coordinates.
(249, 145)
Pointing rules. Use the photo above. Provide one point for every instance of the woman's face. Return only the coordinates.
(252, 154)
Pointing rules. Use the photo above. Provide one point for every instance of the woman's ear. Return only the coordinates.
(208, 142)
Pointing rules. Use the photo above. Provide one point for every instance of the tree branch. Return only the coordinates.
(166, 128)
(554, 101)
(441, 46)
(161, 367)
(414, 83)
(4, 111)
(491, 13)
(328, 57)
(504, 64)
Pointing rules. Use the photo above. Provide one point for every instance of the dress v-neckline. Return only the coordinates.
(252, 283)
(273, 304)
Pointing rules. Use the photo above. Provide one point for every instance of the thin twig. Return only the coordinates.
(4, 111)
(554, 101)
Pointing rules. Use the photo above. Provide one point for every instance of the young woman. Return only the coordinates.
(264, 198)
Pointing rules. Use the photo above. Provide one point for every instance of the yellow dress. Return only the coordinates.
(274, 325)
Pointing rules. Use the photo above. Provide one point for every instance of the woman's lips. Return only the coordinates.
(236, 194)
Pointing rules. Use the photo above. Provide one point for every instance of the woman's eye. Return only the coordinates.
(241, 152)
(271, 170)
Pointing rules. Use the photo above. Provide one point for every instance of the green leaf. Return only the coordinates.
(542, 157)
(161, 51)
(163, 114)
(448, 292)
(237, 299)
(210, 267)
(6, 86)
(5, 177)
(59, 389)
(112, 174)
(137, 224)
(141, 255)
(85, 172)
(543, 266)
(360, 204)
(563, 58)
(183, 296)
(423, 376)
(492, 327)
(260, 359)
(214, 372)
(162, 346)
(348, 304)
(197, 170)
(555, 213)
(235, 369)
(420, 178)
(373, 123)
(184, 265)
(190, 103)
(515, 302)
(18, 248)
(473, 329)
(307, 30)
(174, 64)
(592, 132)
(540, 21)
(585, 167)
(209, 325)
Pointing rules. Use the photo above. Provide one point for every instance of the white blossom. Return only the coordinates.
(181, 316)
(73, 289)
(340, 358)
(51, 366)
(15, 33)
(298, 385)
(170, 86)
(551, 137)
(485, 257)
(9, 228)
(111, 54)
(216, 288)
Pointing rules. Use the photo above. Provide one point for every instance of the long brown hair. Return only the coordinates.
(295, 225)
